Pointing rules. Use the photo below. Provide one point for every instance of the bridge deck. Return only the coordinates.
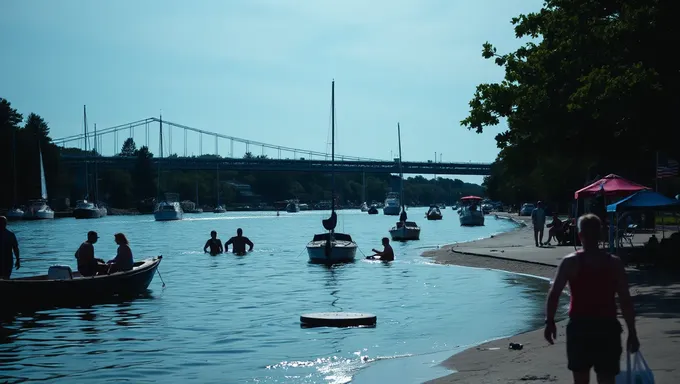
(184, 163)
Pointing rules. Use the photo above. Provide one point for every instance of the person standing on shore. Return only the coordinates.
(538, 220)
(593, 331)
(8, 244)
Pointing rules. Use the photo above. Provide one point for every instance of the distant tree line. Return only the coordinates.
(123, 188)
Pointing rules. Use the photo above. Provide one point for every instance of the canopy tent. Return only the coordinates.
(645, 200)
(610, 185)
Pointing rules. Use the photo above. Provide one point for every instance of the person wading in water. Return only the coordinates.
(593, 331)
(239, 241)
(214, 244)
(8, 245)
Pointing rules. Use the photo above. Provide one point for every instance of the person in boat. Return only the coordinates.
(387, 254)
(402, 218)
(123, 260)
(88, 265)
(214, 244)
(8, 245)
(239, 243)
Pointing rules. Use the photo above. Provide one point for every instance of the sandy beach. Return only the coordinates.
(656, 294)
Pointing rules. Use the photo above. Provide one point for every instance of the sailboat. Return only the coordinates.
(15, 213)
(332, 247)
(219, 208)
(87, 209)
(403, 230)
(38, 209)
(169, 208)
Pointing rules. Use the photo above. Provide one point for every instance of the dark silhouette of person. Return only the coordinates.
(239, 241)
(123, 260)
(387, 254)
(8, 245)
(595, 278)
(88, 265)
(214, 244)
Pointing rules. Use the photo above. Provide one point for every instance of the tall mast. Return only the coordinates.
(14, 161)
(160, 144)
(87, 182)
(401, 173)
(333, 145)
(96, 176)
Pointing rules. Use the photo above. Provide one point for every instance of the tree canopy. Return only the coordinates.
(591, 93)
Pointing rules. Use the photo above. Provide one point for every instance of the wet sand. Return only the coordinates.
(657, 301)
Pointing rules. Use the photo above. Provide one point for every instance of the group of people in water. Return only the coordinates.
(238, 243)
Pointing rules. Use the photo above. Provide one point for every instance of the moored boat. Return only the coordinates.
(219, 209)
(364, 207)
(61, 286)
(293, 206)
(434, 213)
(38, 210)
(168, 209)
(88, 210)
(15, 214)
(373, 210)
(404, 231)
(332, 247)
(470, 211)
(392, 204)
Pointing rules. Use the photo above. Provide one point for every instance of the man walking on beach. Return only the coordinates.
(538, 220)
(593, 331)
(8, 244)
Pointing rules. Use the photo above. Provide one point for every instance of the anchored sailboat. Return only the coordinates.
(403, 230)
(169, 208)
(87, 209)
(332, 247)
(38, 209)
(15, 213)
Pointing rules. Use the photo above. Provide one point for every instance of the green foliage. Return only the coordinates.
(589, 94)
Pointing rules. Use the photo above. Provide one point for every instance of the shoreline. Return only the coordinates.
(655, 295)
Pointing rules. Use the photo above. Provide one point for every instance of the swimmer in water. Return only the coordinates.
(214, 244)
(239, 241)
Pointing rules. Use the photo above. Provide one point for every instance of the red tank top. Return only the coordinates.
(593, 289)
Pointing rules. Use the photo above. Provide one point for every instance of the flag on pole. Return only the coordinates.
(666, 167)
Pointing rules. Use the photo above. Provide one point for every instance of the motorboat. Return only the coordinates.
(392, 204)
(61, 286)
(373, 210)
(168, 209)
(293, 206)
(15, 214)
(470, 211)
(364, 207)
(434, 213)
(331, 247)
(404, 231)
(88, 210)
(219, 209)
(38, 209)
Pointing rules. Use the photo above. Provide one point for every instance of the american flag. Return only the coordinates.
(666, 167)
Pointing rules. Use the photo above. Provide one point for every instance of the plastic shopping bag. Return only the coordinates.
(637, 371)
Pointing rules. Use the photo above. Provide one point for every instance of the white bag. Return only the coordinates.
(636, 373)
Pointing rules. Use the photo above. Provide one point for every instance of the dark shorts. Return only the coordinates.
(6, 267)
(594, 343)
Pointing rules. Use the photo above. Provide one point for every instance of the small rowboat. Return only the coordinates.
(61, 287)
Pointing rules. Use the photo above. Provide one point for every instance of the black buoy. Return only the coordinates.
(338, 319)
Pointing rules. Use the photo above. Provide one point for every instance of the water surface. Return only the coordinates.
(228, 319)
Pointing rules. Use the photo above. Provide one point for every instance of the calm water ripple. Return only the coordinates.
(227, 319)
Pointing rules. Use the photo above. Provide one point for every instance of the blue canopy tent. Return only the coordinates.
(644, 200)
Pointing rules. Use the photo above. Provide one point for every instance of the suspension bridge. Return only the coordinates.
(107, 142)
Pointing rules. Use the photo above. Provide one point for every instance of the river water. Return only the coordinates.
(227, 319)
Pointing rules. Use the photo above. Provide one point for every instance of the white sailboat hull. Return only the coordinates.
(341, 252)
(15, 214)
(471, 218)
(41, 214)
(364, 207)
(405, 233)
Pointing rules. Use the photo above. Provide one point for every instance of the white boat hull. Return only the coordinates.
(15, 214)
(43, 214)
(405, 233)
(341, 252)
(471, 218)
(392, 210)
(166, 211)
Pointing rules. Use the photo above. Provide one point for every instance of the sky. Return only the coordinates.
(262, 70)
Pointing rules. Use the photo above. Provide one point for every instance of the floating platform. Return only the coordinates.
(338, 319)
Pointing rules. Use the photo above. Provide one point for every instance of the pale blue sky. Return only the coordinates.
(261, 69)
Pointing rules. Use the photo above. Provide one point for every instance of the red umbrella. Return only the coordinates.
(610, 185)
